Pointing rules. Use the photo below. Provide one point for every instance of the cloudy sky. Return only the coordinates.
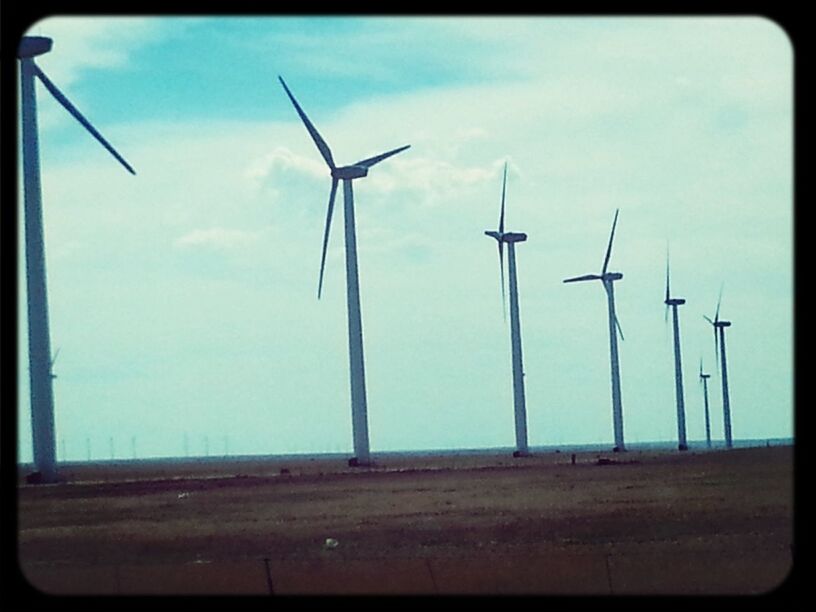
(183, 300)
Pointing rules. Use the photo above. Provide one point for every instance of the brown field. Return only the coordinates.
(717, 522)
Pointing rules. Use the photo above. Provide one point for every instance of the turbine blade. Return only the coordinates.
(326, 235)
(318, 139)
(54, 359)
(504, 189)
(609, 247)
(501, 275)
(367, 163)
(719, 299)
(54, 91)
(617, 323)
(668, 293)
(585, 277)
(717, 350)
(709, 320)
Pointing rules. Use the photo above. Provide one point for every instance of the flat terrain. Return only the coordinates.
(635, 522)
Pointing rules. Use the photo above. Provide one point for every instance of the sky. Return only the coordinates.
(183, 300)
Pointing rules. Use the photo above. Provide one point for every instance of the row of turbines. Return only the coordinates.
(113, 454)
(357, 368)
(607, 278)
(41, 361)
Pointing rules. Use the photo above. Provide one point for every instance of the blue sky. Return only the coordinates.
(183, 300)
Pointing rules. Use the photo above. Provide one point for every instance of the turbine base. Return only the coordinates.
(37, 478)
(355, 462)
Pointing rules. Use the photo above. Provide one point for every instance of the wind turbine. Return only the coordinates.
(719, 347)
(39, 343)
(51, 365)
(515, 325)
(678, 366)
(359, 410)
(608, 278)
(704, 381)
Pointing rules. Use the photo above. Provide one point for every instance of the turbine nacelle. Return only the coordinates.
(675, 302)
(507, 236)
(717, 323)
(514, 237)
(349, 172)
(32, 46)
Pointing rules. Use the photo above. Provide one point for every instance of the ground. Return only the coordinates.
(637, 522)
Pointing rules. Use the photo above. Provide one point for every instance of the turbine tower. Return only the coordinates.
(719, 347)
(608, 278)
(359, 411)
(678, 366)
(39, 343)
(704, 381)
(515, 325)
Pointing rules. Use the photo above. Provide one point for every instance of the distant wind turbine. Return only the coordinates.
(39, 349)
(704, 381)
(515, 326)
(51, 365)
(678, 366)
(359, 410)
(719, 347)
(608, 278)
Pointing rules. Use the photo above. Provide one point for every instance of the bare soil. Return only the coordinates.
(737, 502)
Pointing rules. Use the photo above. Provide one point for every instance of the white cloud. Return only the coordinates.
(216, 238)
(99, 42)
(282, 160)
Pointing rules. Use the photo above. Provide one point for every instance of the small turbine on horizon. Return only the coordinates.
(608, 278)
(704, 381)
(51, 365)
(39, 342)
(359, 410)
(719, 347)
(511, 238)
(678, 366)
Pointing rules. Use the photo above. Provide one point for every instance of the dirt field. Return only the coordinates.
(639, 522)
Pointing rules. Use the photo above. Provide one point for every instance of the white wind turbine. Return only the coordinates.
(678, 366)
(704, 381)
(719, 347)
(515, 325)
(608, 278)
(359, 411)
(39, 343)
